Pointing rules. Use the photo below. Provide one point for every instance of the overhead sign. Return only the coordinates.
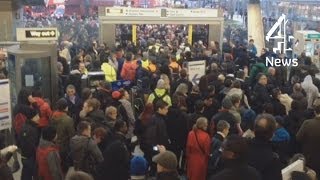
(5, 105)
(313, 36)
(134, 12)
(196, 69)
(37, 34)
(163, 12)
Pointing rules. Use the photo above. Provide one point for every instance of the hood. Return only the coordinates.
(96, 115)
(44, 143)
(78, 142)
(308, 85)
(260, 65)
(57, 114)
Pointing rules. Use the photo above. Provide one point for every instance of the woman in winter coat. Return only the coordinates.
(198, 149)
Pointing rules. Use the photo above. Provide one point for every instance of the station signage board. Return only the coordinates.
(313, 36)
(37, 34)
(161, 12)
(133, 12)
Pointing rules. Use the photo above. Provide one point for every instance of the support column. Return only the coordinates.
(8, 18)
(190, 31)
(216, 33)
(134, 34)
(255, 25)
(108, 34)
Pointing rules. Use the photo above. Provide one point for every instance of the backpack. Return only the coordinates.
(19, 121)
(157, 98)
(214, 157)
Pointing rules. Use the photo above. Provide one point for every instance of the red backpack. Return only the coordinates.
(19, 121)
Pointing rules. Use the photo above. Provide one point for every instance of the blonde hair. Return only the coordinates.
(201, 123)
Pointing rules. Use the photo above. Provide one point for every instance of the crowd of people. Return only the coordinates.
(243, 120)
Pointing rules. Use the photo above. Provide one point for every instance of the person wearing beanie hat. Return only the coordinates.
(64, 125)
(116, 95)
(166, 164)
(138, 168)
(28, 140)
(160, 93)
(48, 158)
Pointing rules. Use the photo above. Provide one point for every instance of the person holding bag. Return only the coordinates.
(198, 150)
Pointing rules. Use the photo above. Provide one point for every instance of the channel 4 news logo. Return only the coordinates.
(281, 35)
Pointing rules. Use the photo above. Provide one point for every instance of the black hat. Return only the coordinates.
(49, 133)
(31, 113)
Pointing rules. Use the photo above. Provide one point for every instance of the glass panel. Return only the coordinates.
(35, 74)
(12, 79)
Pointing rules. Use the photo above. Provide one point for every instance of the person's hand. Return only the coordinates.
(161, 148)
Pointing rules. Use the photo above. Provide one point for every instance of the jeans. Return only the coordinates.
(28, 169)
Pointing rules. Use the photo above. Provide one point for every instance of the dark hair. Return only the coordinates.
(265, 126)
(251, 40)
(61, 104)
(297, 175)
(259, 75)
(268, 108)
(37, 93)
(118, 125)
(198, 106)
(237, 84)
(122, 92)
(160, 104)
(146, 114)
(238, 145)
(83, 125)
(94, 103)
(240, 74)
(49, 133)
(228, 82)
(85, 94)
(23, 96)
(183, 73)
(129, 56)
(100, 132)
(275, 92)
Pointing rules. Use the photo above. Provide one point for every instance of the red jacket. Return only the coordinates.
(43, 162)
(45, 112)
(197, 154)
(128, 71)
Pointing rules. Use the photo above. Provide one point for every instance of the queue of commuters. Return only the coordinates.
(243, 120)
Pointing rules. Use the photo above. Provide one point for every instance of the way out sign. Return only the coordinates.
(196, 69)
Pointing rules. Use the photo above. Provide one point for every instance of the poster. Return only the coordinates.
(5, 105)
(196, 69)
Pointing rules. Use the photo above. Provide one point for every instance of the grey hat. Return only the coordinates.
(167, 160)
(226, 103)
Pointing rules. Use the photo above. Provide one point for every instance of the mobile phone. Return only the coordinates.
(155, 148)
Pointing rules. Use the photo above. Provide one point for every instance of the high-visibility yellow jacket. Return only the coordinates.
(145, 63)
(109, 72)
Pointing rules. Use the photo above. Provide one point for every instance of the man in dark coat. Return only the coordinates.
(28, 143)
(177, 119)
(308, 136)
(260, 154)
(234, 154)
(260, 94)
(156, 132)
(224, 114)
(74, 103)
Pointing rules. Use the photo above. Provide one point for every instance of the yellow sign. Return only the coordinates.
(134, 34)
